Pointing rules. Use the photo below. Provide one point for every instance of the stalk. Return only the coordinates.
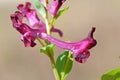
(57, 77)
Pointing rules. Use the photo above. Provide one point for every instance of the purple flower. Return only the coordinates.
(30, 14)
(33, 19)
(29, 33)
(56, 4)
(80, 49)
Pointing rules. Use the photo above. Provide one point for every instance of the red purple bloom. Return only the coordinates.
(33, 19)
(80, 49)
(37, 28)
(29, 33)
(56, 4)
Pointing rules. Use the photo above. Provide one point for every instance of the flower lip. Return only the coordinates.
(25, 7)
(30, 14)
(82, 56)
(16, 17)
(17, 22)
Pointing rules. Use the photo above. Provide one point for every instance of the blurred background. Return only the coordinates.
(20, 63)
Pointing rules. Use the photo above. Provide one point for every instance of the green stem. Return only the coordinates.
(40, 42)
(57, 77)
(46, 18)
(52, 22)
(47, 25)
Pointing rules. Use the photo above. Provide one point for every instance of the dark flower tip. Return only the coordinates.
(90, 35)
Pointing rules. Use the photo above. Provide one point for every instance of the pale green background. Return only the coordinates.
(20, 63)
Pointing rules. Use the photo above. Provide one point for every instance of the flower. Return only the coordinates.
(28, 34)
(80, 49)
(30, 14)
(36, 27)
(56, 4)
(33, 19)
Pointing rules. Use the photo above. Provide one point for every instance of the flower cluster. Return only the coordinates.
(34, 29)
(37, 29)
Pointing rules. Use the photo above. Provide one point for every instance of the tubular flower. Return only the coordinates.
(80, 49)
(56, 4)
(29, 33)
(33, 19)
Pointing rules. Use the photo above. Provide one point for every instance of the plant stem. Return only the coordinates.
(52, 22)
(46, 18)
(48, 29)
(47, 25)
(40, 42)
(57, 77)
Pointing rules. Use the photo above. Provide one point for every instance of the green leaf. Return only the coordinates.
(64, 64)
(112, 75)
(40, 8)
(49, 49)
(58, 15)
